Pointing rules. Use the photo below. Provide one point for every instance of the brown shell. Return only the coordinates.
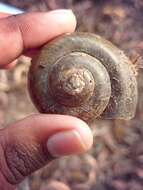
(83, 75)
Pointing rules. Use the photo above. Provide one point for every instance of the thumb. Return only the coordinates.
(31, 143)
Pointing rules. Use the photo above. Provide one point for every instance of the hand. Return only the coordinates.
(33, 142)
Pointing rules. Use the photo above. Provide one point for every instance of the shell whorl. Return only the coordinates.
(83, 75)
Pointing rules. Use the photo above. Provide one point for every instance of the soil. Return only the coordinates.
(116, 160)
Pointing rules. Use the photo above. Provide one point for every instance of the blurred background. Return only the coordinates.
(116, 160)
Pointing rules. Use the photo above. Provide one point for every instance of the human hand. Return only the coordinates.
(33, 142)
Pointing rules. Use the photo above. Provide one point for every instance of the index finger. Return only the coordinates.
(3, 15)
(31, 30)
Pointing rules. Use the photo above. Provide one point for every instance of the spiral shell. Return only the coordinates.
(83, 75)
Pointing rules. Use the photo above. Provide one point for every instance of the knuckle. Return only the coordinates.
(15, 162)
(21, 159)
(22, 162)
(13, 25)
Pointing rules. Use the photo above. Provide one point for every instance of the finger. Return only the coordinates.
(10, 65)
(31, 30)
(31, 143)
(3, 15)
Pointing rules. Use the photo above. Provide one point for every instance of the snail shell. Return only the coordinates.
(83, 75)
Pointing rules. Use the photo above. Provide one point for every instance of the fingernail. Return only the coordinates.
(67, 143)
(62, 11)
(64, 16)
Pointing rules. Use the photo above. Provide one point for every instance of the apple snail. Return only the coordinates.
(83, 75)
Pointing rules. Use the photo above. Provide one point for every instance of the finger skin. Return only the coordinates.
(23, 145)
(3, 15)
(9, 65)
(4, 185)
(31, 30)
